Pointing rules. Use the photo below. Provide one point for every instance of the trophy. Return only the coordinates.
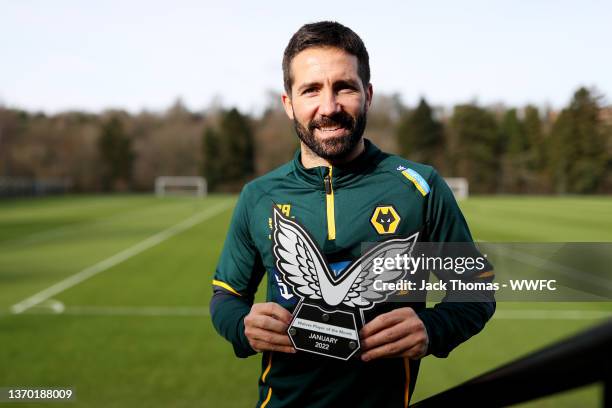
(325, 320)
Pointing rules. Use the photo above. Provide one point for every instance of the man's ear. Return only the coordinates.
(369, 94)
(286, 100)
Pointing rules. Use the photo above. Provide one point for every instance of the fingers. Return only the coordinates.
(266, 323)
(388, 335)
(266, 340)
(417, 351)
(266, 328)
(261, 346)
(274, 310)
(394, 349)
(264, 336)
(385, 320)
(397, 333)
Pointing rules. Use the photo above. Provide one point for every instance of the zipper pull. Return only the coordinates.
(327, 181)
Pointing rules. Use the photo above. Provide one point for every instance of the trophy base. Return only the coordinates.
(328, 333)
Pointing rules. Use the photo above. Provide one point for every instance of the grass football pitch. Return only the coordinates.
(109, 295)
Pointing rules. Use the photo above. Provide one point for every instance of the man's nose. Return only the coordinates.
(329, 104)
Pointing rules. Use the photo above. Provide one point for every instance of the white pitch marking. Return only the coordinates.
(52, 304)
(130, 311)
(527, 314)
(117, 258)
(138, 311)
(122, 311)
(46, 235)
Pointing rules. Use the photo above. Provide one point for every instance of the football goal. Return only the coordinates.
(459, 186)
(168, 185)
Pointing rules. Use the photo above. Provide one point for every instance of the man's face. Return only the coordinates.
(328, 102)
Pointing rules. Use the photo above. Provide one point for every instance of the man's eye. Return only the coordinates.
(309, 91)
(346, 89)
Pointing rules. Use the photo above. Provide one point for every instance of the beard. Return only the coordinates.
(337, 147)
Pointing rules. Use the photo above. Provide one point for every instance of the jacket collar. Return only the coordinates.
(341, 176)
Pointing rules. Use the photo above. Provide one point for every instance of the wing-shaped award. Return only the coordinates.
(325, 320)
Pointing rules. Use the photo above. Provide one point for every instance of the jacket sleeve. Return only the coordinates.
(454, 320)
(237, 276)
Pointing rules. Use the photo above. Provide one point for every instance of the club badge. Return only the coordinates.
(325, 321)
(385, 219)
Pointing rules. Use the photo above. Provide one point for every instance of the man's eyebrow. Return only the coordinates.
(338, 84)
(308, 85)
(346, 82)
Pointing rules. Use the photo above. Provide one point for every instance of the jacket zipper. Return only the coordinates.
(329, 199)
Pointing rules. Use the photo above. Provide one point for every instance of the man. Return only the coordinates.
(334, 187)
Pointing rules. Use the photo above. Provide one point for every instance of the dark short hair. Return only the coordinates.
(326, 34)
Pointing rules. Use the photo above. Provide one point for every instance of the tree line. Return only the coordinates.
(498, 149)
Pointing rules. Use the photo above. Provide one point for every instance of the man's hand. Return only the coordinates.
(266, 328)
(399, 332)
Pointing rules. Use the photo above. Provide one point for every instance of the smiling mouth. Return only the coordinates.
(327, 133)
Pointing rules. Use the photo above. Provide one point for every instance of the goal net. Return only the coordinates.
(459, 186)
(168, 185)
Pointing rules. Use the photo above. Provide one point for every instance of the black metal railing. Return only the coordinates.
(580, 360)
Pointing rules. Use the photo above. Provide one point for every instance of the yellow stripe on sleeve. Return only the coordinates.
(485, 274)
(225, 286)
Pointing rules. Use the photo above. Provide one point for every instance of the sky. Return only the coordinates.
(136, 55)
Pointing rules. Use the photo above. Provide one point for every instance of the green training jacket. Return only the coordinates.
(375, 197)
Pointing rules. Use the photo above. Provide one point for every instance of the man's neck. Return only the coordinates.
(310, 158)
